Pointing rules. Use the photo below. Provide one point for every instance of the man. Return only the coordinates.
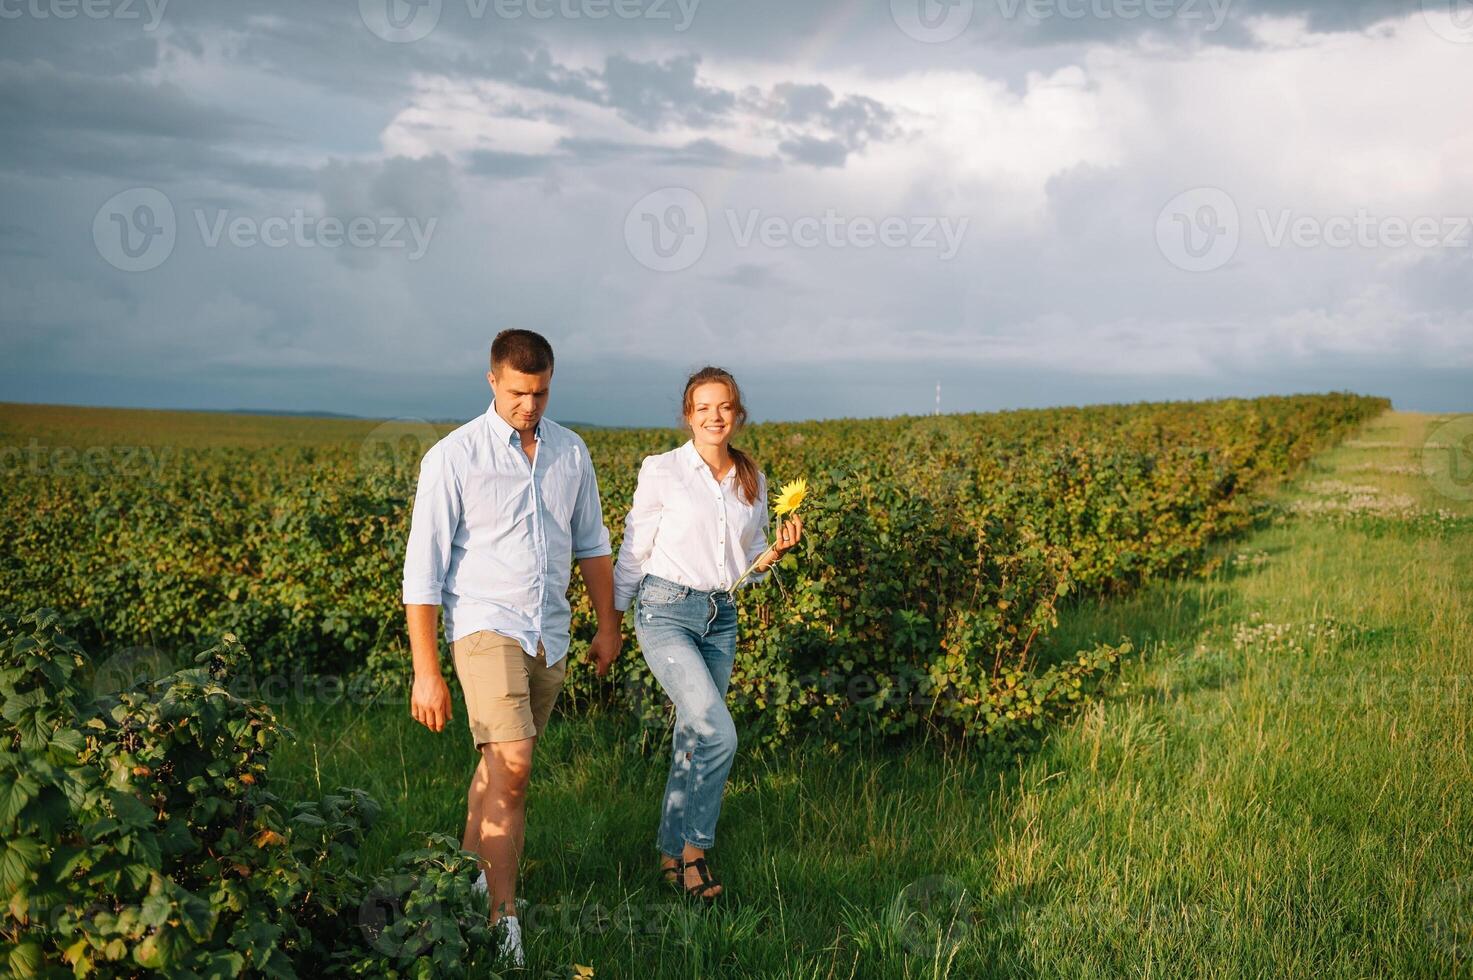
(504, 505)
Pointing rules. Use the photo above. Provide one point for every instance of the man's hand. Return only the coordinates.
(429, 699)
(598, 575)
(604, 648)
(429, 702)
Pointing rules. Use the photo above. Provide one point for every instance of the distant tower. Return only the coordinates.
(938, 398)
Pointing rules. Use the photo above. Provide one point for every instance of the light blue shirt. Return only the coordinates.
(493, 535)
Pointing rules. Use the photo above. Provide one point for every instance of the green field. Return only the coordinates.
(1277, 784)
(1281, 787)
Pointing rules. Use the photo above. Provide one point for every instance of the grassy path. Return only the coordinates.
(1281, 786)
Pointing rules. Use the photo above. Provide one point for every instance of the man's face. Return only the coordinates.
(520, 398)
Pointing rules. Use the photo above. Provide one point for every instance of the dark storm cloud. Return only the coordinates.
(55, 122)
(815, 152)
(41, 98)
(752, 275)
(839, 126)
(20, 242)
(696, 153)
(652, 94)
(575, 153)
(510, 166)
(276, 104)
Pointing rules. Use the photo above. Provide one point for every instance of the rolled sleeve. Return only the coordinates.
(590, 534)
(640, 525)
(432, 527)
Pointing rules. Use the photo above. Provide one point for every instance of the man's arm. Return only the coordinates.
(591, 550)
(427, 555)
(429, 699)
(598, 576)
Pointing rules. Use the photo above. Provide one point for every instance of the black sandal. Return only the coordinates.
(674, 874)
(706, 884)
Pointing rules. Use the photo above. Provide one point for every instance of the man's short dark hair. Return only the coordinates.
(521, 350)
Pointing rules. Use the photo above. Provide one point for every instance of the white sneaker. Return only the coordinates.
(511, 940)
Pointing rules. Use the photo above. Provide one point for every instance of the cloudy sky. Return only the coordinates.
(333, 206)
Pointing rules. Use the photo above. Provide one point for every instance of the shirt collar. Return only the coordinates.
(503, 431)
(692, 458)
(694, 461)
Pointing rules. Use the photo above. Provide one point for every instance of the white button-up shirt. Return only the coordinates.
(493, 535)
(686, 527)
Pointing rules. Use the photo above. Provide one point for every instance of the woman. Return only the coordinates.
(698, 521)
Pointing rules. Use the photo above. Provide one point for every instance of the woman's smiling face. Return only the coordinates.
(712, 413)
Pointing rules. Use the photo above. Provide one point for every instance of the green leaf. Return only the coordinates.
(25, 959)
(15, 796)
(20, 857)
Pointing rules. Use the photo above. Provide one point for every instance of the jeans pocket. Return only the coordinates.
(659, 594)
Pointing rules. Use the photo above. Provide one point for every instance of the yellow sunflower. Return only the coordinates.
(791, 496)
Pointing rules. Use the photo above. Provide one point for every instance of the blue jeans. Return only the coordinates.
(688, 638)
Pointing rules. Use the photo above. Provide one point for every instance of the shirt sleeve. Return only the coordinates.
(754, 542)
(432, 527)
(640, 526)
(590, 534)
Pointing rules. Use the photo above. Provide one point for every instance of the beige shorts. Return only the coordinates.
(508, 695)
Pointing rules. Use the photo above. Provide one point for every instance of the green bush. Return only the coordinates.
(140, 837)
(920, 530)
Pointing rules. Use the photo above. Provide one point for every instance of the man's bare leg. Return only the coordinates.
(496, 820)
(471, 839)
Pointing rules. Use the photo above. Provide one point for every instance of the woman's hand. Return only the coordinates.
(788, 535)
